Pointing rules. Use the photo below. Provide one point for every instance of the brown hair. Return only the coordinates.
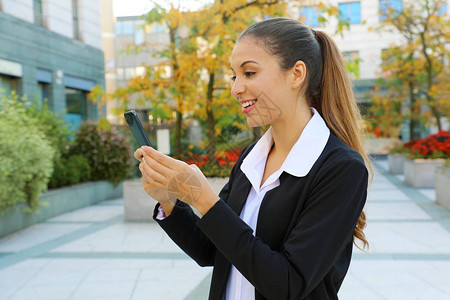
(329, 88)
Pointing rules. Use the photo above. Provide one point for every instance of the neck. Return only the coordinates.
(287, 131)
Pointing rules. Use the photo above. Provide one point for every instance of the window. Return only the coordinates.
(76, 25)
(140, 71)
(127, 27)
(350, 12)
(37, 7)
(311, 15)
(159, 28)
(129, 73)
(139, 35)
(120, 73)
(352, 60)
(7, 85)
(388, 5)
(76, 107)
(43, 92)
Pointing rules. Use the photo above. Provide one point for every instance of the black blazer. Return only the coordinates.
(304, 234)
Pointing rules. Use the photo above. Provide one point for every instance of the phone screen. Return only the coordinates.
(137, 129)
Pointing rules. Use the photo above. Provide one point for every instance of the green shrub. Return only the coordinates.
(108, 152)
(68, 171)
(56, 130)
(25, 157)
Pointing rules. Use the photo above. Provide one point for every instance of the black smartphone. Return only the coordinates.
(136, 128)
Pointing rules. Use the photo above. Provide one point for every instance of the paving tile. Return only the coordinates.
(386, 195)
(395, 211)
(54, 292)
(124, 238)
(169, 283)
(94, 213)
(104, 290)
(408, 237)
(35, 235)
(429, 193)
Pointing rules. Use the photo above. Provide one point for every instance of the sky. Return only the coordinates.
(138, 7)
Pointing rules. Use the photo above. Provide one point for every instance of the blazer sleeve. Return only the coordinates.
(322, 229)
(181, 226)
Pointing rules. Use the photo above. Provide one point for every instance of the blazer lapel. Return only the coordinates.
(239, 192)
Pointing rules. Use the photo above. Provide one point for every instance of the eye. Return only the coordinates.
(233, 78)
(249, 73)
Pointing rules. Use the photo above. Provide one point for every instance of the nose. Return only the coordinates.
(238, 88)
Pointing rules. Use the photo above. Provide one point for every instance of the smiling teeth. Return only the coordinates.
(248, 103)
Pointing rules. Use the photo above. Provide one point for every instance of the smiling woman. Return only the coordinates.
(284, 225)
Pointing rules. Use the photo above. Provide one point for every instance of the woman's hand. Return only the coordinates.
(182, 181)
(161, 195)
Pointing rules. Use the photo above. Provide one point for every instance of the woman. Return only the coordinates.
(284, 224)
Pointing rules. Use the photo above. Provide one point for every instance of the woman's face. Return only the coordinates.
(261, 87)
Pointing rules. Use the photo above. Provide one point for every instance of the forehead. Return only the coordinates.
(249, 49)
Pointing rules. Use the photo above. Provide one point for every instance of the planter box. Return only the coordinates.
(138, 205)
(59, 201)
(396, 162)
(419, 173)
(442, 186)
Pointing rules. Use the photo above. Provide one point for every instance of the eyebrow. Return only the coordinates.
(246, 62)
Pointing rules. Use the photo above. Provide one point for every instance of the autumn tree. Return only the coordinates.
(170, 86)
(419, 62)
(218, 26)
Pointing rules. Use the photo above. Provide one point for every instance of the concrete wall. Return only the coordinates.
(58, 17)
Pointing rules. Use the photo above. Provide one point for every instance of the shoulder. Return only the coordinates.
(339, 157)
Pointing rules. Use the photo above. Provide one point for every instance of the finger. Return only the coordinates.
(153, 173)
(163, 159)
(149, 182)
(157, 166)
(138, 154)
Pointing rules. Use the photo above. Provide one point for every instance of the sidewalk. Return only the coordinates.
(92, 253)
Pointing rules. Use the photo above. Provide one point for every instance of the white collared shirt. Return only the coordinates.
(298, 162)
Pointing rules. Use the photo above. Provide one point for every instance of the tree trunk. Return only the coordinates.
(211, 149)
(178, 122)
(412, 111)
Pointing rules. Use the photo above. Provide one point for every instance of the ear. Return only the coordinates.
(298, 73)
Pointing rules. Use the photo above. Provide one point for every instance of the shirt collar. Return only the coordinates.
(302, 156)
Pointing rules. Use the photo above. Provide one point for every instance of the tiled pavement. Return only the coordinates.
(92, 253)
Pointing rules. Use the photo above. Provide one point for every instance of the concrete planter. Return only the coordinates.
(138, 205)
(419, 173)
(59, 201)
(442, 186)
(396, 162)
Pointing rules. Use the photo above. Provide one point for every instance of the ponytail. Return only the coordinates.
(338, 107)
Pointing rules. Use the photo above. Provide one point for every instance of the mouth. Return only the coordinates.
(248, 103)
